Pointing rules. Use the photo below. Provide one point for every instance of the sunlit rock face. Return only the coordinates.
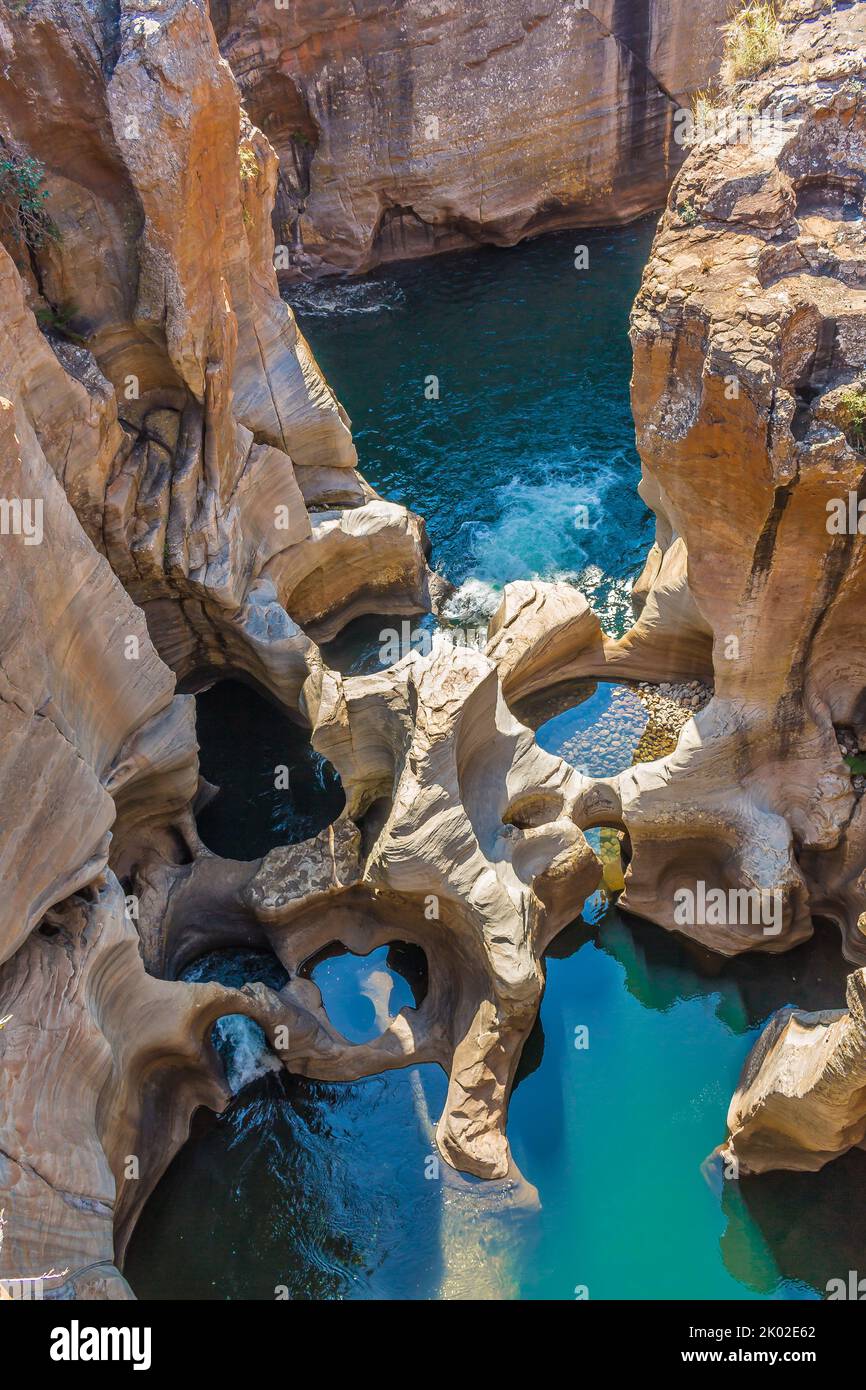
(748, 336)
(207, 427)
(177, 456)
(187, 455)
(800, 1098)
(404, 129)
(749, 403)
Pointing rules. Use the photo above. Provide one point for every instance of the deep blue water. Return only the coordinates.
(291, 791)
(532, 421)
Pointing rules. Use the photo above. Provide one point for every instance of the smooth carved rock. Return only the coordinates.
(466, 808)
(468, 848)
(749, 326)
(546, 634)
(103, 1068)
(88, 734)
(165, 495)
(459, 833)
(402, 131)
(477, 821)
(465, 842)
(199, 397)
(801, 1100)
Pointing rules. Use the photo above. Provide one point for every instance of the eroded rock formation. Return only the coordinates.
(201, 515)
(404, 129)
(188, 506)
(748, 339)
(800, 1098)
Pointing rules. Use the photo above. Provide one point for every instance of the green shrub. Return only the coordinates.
(852, 416)
(59, 319)
(22, 199)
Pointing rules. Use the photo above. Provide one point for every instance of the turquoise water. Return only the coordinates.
(309, 1191)
(322, 1191)
(318, 1191)
(532, 421)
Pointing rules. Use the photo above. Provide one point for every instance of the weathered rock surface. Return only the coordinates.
(209, 421)
(467, 848)
(748, 331)
(157, 429)
(749, 337)
(473, 813)
(801, 1100)
(160, 505)
(544, 634)
(749, 324)
(407, 128)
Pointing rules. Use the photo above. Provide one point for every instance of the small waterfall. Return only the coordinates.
(244, 1050)
(239, 1041)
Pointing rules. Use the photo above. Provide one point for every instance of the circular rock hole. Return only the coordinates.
(274, 788)
(239, 1041)
(362, 994)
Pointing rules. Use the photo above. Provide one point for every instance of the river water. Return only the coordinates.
(308, 1191)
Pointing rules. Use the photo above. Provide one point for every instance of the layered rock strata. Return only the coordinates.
(748, 342)
(210, 460)
(800, 1100)
(180, 500)
(404, 129)
(748, 397)
(171, 417)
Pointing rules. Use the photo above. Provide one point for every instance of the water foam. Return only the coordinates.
(540, 533)
(327, 298)
(244, 1050)
(240, 1041)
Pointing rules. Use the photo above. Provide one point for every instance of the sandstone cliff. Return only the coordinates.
(408, 128)
(748, 353)
(749, 400)
(200, 515)
(188, 506)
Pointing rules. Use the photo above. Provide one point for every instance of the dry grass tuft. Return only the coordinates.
(753, 40)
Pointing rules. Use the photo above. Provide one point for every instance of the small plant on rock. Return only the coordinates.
(852, 416)
(705, 107)
(58, 320)
(249, 164)
(22, 200)
(687, 212)
(753, 40)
